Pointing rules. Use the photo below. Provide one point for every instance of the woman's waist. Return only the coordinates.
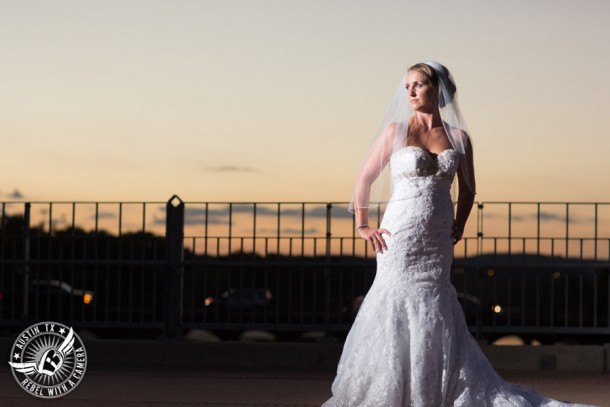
(439, 191)
(409, 182)
(418, 210)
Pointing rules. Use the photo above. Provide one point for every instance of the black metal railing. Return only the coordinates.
(532, 268)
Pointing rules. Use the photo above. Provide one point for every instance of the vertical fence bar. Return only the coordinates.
(119, 269)
(26, 258)
(538, 229)
(580, 297)
(595, 277)
(50, 219)
(596, 220)
(3, 222)
(608, 305)
(303, 229)
(97, 217)
(96, 247)
(143, 218)
(279, 228)
(566, 287)
(537, 298)
(552, 298)
(72, 258)
(174, 249)
(327, 273)
(510, 237)
(353, 236)
(205, 230)
(120, 220)
(480, 232)
(567, 230)
(3, 273)
(254, 231)
(230, 227)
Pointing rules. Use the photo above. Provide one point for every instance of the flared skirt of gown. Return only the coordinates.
(409, 344)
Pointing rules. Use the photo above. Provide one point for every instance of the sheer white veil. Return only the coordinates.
(372, 187)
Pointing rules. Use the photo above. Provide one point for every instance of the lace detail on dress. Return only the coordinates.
(423, 164)
(409, 344)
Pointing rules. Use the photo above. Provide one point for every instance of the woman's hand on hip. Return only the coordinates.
(456, 233)
(375, 238)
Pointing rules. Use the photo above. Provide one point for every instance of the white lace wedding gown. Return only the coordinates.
(409, 344)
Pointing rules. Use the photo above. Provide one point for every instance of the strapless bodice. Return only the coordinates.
(418, 173)
(413, 161)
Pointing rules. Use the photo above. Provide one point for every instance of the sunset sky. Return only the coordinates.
(277, 100)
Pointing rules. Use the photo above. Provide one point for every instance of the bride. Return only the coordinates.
(409, 344)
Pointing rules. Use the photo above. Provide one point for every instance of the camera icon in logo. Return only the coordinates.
(50, 362)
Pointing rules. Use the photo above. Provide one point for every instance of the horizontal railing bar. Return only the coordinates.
(545, 202)
(84, 202)
(163, 263)
(543, 329)
(267, 326)
(298, 260)
(338, 204)
(564, 265)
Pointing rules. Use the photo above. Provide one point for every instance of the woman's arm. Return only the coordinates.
(465, 197)
(374, 163)
(372, 167)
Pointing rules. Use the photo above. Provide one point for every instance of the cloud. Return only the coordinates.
(337, 211)
(105, 215)
(553, 217)
(231, 168)
(292, 231)
(16, 194)
(544, 217)
(317, 211)
(218, 214)
(195, 216)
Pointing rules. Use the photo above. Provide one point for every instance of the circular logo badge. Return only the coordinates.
(48, 360)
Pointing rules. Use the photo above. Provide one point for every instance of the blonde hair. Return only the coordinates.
(432, 76)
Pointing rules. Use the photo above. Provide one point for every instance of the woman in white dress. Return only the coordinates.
(409, 344)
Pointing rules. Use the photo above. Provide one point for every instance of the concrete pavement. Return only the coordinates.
(259, 388)
(179, 373)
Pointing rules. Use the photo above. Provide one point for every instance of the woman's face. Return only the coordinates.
(420, 93)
